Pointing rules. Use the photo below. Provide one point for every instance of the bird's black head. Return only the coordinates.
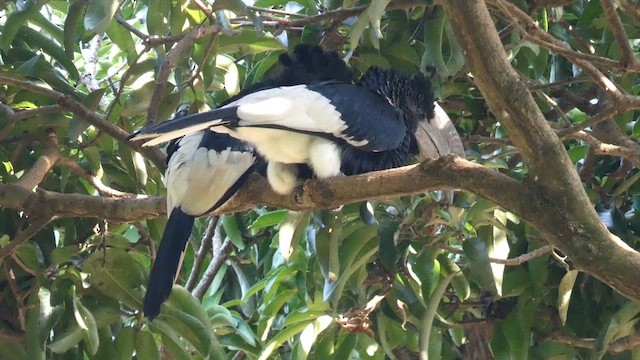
(411, 95)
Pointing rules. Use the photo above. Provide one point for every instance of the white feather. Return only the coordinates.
(197, 178)
(293, 107)
(160, 138)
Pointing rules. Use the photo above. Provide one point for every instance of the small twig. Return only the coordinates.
(563, 84)
(518, 260)
(130, 28)
(594, 120)
(275, 11)
(628, 60)
(488, 139)
(24, 235)
(220, 255)
(103, 189)
(17, 294)
(602, 148)
(533, 32)
(615, 347)
(203, 251)
(173, 57)
(24, 267)
(42, 110)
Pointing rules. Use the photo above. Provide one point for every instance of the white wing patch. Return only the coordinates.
(294, 107)
(197, 178)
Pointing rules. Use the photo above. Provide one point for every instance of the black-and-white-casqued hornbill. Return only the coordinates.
(333, 127)
(205, 168)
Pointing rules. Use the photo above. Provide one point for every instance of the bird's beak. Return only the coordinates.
(437, 137)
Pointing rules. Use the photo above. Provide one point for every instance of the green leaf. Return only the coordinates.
(117, 275)
(231, 228)
(279, 339)
(158, 17)
(65, 339)
(123, 39)
(268, 219)
(459, 282)
(77, 126)
(388, 232)
(37, 40)
(16, 19)
(72, 26)
(146, 347)
(189, 327)
(291, 230)
(438, 36)
(87, 324)
(477, 254)
(171, 339)
(564, 294)
(125, 343)
(99, 15)
(370, 17)
(248, 42)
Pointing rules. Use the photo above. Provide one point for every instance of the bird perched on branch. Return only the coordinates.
(333, 127)
(205, 168)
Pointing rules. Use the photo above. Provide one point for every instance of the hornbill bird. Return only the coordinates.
(333, 127)
(205, 168)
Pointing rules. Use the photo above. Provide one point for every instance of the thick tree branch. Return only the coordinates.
(38, 171)
(43, 202)
(563, 212)
(449, 172)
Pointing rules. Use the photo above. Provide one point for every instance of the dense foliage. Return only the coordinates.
(420, 277)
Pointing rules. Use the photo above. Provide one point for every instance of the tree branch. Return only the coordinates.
(70, 104)
(173, 57)
(628, 60)
(563, 212)
(445, 173)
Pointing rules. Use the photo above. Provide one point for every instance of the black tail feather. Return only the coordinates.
(165, 267)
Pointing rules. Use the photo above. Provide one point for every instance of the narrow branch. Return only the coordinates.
(173, 58)
(70, 104)
(38, 171)
(275, 11)
(534, 33)
(516, 261)
(339, 15)
(616, 347)
(220, 255)
(602, 148)
(444, 173)
(628, 60)
(103, 189)
(203, 251)
(594, 120)
(42, 110)
(23, 235)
